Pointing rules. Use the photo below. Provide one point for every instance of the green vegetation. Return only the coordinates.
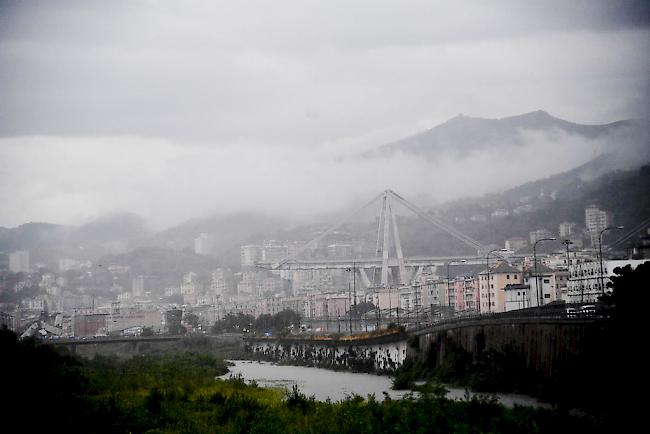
(178, 393)
(501, 370)
(279, 324)
(598, 380)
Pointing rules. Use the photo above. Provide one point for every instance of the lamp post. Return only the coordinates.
(541, 299)
(567, 243)
(354, 280)
(487, 263)
(600, 248)
(448, 282)
(390, 306)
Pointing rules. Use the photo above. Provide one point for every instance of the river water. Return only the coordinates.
(337, 385)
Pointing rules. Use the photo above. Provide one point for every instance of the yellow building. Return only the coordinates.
(491, 286)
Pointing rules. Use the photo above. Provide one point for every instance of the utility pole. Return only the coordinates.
(339, 315)
(600, 248)
(567, 243)
(354, 283)
(390, 306)
(350, 308)
(377, 310)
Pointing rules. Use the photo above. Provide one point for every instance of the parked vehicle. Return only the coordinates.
(571, 312)
(589, 310)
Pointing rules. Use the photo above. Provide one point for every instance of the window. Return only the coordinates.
(508, 276)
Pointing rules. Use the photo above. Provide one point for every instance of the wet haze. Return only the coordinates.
(177, 109)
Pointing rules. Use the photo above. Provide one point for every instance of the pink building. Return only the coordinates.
(466, 292)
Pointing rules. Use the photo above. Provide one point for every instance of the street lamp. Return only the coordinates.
(354, 279)
(567, 243)
(600, 247)
(448, 281)
(487, 263)
(541, 299)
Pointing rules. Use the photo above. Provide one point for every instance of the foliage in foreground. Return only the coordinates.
(179, 394)
(599, 379)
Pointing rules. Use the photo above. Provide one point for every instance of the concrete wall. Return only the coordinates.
(543, 345)
(128, 347)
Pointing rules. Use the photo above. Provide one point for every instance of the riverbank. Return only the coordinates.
(178, 393)
(337, 385)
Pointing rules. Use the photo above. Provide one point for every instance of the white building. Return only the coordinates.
(190, 277)
(410, 298)
(221, 282)
(269, 285)
(339, 250)
(251, 254)
(517, 297)
(596, 220)
(585, 285)
(500, 212)
(19, 261)
(516, 243)
(139, 286)
(274, 251)
(567, 229)
(538, 235)
(172, 290)
(203, 244)
(124, 296)
(546, 290)
(522, 209)
(36, 303)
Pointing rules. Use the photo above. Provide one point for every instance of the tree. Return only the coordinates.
(623, 350)
(629, 297)
(191, 319)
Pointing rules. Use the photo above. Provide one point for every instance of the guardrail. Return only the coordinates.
(564, 312)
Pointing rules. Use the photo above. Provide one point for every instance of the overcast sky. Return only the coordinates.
(174, 109)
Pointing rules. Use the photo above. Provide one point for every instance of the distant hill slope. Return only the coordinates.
(553, 200)
(166, 266)
(228, 232)
(47, 242)
(32, 235)
(112, 227)
(464, 134)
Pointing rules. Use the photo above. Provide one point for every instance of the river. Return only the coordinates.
(337, 385)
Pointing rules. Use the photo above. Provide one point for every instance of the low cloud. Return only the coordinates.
(71, 180)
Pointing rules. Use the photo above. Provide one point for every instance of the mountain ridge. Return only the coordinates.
(466, 133)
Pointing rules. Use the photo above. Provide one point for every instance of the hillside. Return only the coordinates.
(561, 198)
(464, 134)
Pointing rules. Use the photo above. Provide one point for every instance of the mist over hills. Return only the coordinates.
(124, 237)
(463, 134)
(553, 200)
(613, 146)
(111, 227)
